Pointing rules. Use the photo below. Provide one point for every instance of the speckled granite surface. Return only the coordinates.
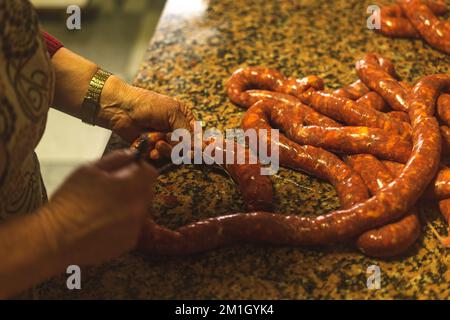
(190, 57)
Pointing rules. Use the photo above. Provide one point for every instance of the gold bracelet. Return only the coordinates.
(91, 103)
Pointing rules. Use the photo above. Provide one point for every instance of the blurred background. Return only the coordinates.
(114, 34)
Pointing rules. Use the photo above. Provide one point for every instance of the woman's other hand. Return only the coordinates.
(98, 213)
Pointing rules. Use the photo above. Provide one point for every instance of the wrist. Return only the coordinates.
(56, 254)
(30, 253)
(112, 103)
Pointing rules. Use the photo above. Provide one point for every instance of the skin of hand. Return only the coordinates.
(127, 110)
(96, 215)
(108, 201)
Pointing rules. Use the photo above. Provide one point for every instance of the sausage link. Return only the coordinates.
(349, 112)
(353, 91)
(359, 92)
(443, 108)
(372, 74)
(315, 161)
(444, 207)
(445, 133)
(439, 187)
(391, 239)
(405, 85)
(372, 100)
(256, 189)
(374, 174)
(349, 140)
(435, 31)
(338, 139)
(394, 167)
(399, 115)
(245, 79)
(395, 24)
(388, 205)
(310, 116)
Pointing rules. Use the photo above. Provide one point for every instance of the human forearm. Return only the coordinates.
(125, 109)
(26, 253)
(73, 74)
(96, 215)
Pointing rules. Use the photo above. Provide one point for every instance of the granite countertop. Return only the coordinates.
(194, 50)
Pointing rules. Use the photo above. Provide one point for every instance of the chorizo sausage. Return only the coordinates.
(443, 108)
(399, 115)
(353, 91)
(245, 79)
(374, 174)
(372, 74)
(445, 133)
(438, 7)
(339, 139)
(256, 189)
(310, 116)
(391, 239)
(435, 31)
(351, 140)
(395, 24)
(359, 92)
(315, 161)
(372, 100)
(439, 187)
(394, 167)
(388, 205)
(444, 207)
(349, 112)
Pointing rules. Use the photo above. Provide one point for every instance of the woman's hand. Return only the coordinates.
(127, 110)
(98, 213)
(130, 111)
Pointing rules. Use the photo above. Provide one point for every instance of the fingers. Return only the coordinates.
(180, 117)
(140, 173)
(153, 145)
(164, 149)
(116, 160)
(124, 164)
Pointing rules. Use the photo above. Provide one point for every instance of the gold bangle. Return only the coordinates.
(91, 103)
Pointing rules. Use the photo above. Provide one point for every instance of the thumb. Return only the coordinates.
(116, 160)
(180, 117)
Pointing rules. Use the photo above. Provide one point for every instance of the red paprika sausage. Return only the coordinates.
(372, 74)
(435, 31)
(391, 239)
(349, 112)
(388, 205)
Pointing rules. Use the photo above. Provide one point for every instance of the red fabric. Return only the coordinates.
(52, 43)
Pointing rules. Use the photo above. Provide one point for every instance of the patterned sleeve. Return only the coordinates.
(52, 43)
(26, 89)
